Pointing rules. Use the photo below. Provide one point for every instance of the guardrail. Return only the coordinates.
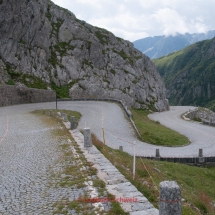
(196, 161)
(208, 123)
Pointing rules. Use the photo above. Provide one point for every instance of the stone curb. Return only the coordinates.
(116, 183)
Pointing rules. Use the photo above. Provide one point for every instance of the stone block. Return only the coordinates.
(87, 137)
(170, 198)
(72, 122)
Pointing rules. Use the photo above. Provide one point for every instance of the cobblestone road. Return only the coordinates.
(29, 154)
(29, 151)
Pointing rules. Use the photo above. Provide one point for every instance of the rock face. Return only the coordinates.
(43, 45)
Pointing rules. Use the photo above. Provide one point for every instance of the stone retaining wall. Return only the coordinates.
(11, 95)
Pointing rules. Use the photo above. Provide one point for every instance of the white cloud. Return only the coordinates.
(131, 19)
(128, 35)
(170, 21)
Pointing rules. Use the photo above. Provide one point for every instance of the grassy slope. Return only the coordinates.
(195, 66)
(195, 182)
(71, 166)
(154, 132)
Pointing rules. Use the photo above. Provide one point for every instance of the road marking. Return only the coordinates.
(6, 132)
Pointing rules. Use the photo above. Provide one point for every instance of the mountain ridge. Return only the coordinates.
(189, 74)
(158, 46)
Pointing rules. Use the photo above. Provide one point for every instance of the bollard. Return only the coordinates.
(87, 137)
(200, 153)
(44, 111)
(201, 158)
(61, 114)
(50, 112)
(167, 104)
(170, 198)
(120, 148)
(157, 154)
(65, 118)
(72, 122)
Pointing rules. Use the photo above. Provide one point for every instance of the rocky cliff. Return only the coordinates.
(43, 45)
(189, 75)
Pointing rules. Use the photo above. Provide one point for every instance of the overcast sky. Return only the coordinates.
(136, 19)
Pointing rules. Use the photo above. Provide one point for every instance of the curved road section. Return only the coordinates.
(119, 132)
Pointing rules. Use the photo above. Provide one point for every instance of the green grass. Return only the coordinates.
(75, 174)
(113, 71)
(55, 118)
(185, 71)
(125, 56)
(63, 91)
(28, 80)
(155, 133)
(33, 81)
(10, 82)
(196, 183)
(101, 35)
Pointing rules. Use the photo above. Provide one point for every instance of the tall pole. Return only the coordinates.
(103, 131)
(56, 100)
(134, 161)
(103, 135)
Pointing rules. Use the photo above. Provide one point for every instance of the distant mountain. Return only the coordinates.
(189, 74)
(158, 46)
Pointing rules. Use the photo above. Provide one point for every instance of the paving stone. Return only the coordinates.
(27, 154)
(120, 190)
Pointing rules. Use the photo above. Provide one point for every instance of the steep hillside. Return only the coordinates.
(155, 47)
(43, 45)
(189, 74)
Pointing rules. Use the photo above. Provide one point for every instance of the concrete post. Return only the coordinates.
(157, 154)
(201, 158)
(167, 104)
(210, 121)
(120, 148)
(72, 122)
(191, 115)
(50, 112)
(65, 118)
(87, 137)
(200, 153)
(170, 198)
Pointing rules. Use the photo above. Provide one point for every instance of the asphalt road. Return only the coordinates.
(118, 130)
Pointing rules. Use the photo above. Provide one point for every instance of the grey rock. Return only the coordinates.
(42, 40)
